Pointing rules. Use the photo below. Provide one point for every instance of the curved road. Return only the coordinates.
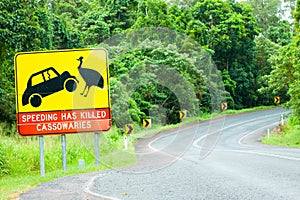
(216, 159)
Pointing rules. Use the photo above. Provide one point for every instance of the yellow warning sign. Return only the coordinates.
(62, 80)
(147, 123)
(129, 129)
(224, 106)
(182, 114)
(277, 100)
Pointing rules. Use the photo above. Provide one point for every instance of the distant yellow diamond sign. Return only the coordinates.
(64, 91)
(129, 129)
(277, 100)
(224, 106)
(147, 123)
(182, 114)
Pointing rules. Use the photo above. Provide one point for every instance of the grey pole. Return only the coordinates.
(64, 152)
(97, 156)
(42, 162)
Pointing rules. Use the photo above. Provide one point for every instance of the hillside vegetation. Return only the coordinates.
(164, 56)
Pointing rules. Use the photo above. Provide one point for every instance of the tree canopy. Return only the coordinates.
(247, 43)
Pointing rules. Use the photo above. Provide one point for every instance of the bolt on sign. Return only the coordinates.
(182, 114)
(62, 91)
(129, 129)
(277, 100)
(224, 106)
(147, 123)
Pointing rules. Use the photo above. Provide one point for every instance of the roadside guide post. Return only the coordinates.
(125, 142)
(60, 92)
(282, 120)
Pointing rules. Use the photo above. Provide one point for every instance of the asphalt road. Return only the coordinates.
(216, 159)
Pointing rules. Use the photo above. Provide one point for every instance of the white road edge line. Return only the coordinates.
(253, 132)
(89, 191)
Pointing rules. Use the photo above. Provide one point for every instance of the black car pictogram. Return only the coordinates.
(45, 83)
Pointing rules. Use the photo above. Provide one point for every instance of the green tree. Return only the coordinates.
(285, 76)
(153, 13)
(229, 30)
(120, 14)
(264, 49)
(280, 34)
(19, 31)
(267, 12)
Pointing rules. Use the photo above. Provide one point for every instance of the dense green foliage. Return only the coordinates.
(236, 39)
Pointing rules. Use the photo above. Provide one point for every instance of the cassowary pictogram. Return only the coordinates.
(90, 76)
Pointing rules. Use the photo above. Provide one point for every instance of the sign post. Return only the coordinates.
(42, 161)
(64, 152)
(61, 92)
(97, 156)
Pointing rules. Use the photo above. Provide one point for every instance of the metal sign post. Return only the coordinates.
(42, 162)
(97, 156)
(64, 152)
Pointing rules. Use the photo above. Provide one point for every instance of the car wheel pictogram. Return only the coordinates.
(70, 85)
(35, 100)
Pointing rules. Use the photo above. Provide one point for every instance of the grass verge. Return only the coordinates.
(289, 135)
(19, 158)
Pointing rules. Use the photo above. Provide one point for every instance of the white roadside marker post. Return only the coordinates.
(125, 142)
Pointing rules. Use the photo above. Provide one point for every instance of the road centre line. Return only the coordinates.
(259, 153)
(195, 143)
(205, 123)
